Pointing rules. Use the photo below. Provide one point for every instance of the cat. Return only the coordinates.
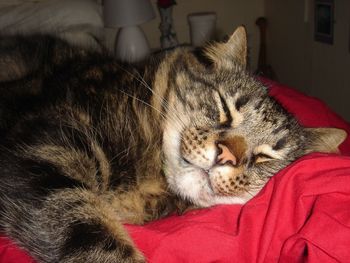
(89, 143)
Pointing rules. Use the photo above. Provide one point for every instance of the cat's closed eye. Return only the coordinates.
(262, 157)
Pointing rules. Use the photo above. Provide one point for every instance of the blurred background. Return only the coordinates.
(307, 41)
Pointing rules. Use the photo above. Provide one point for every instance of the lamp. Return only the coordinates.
(130, 44)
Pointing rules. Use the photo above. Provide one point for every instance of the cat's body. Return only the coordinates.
(88, 143)
(66, 138)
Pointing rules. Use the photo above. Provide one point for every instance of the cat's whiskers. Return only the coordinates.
(142, 101)
(161, 99)
(175, 120)
(174, 117)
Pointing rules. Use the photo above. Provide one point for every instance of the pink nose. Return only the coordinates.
(225, 156)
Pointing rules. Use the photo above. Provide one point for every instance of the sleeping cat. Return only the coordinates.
(88, 143)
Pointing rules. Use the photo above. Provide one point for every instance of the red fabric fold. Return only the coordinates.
(301, 215)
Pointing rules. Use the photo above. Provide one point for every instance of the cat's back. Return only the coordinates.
(41, 74)
(58, 99)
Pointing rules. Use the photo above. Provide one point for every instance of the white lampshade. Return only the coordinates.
(120, 13)
(131, 44)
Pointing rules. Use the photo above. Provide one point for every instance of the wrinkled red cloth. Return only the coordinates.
(301, 215)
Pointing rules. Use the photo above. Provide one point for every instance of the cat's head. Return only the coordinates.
(224, 136)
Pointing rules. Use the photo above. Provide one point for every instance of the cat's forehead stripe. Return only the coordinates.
(223, 113)
(198, 78)
(236, 116)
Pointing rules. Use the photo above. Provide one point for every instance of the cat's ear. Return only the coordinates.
(235, 49)
(325, 140)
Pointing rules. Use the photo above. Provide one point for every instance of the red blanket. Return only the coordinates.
(301, 215)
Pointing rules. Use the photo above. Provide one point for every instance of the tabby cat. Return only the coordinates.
(88, 143)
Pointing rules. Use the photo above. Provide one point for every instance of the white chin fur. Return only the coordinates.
(193, 185)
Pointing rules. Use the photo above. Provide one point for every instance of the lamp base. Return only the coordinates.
(131, 44)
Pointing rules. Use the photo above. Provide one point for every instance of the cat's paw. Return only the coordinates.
(125, 254)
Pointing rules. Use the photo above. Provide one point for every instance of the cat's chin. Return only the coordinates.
(196, 185)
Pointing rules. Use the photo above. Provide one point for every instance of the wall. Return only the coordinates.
(318, 69)
(330, 72)
(230, 13)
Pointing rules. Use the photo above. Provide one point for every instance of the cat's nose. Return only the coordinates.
(225, 156)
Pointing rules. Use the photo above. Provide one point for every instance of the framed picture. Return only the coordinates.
(324, 21)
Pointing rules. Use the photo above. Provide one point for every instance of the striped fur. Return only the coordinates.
(88, 143)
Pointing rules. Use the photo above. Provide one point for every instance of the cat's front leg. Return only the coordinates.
(72, 225)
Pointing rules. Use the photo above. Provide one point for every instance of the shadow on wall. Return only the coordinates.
(316, 68)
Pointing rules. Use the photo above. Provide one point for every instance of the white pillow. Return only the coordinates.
(78, 21)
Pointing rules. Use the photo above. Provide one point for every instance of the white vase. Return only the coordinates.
(131, 44)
